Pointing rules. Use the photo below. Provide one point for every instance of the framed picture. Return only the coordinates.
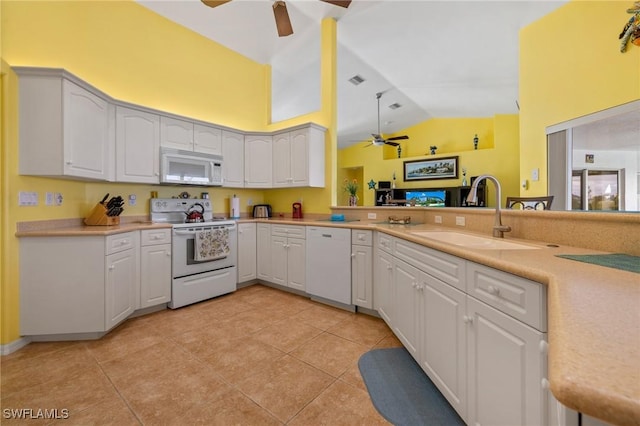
(433, 168)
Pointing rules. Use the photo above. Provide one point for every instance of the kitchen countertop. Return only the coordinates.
(593, 312)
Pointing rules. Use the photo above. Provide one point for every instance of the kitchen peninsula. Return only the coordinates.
(592, 310)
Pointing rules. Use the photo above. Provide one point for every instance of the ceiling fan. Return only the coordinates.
(378, 140)
(283, 23)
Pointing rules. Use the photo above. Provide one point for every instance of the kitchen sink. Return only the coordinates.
(472, 241)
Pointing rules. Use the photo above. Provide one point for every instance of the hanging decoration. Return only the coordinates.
(631, 30)
(372, 184)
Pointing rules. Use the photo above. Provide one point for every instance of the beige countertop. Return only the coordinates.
(593, 312)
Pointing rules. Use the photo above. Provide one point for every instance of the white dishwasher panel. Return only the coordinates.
(329, 263)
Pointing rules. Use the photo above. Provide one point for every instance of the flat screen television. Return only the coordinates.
(427, 197)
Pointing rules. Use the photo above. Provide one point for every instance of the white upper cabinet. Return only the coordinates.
(137, 146)
(66, 128)
(298, 157)
(233, 159)
(258, 161)
(190, 136)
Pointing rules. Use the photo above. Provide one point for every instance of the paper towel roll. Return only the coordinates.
(235, 207)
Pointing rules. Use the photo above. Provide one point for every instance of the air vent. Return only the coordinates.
(395, 106)
(356, 79)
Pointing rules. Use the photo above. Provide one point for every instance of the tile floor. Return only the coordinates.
(259, 356)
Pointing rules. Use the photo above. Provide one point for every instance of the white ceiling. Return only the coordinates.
(435, 58)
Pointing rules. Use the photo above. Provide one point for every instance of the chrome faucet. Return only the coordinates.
(498, 228)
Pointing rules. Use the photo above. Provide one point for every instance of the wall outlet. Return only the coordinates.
(48, 199)
(250, 202)
(371, 215)
(438, 219)
(460, 220)
(132, 199)
(27, 198)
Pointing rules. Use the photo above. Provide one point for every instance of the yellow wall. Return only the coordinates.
(570, 66)
(137, 56)
(498, 154)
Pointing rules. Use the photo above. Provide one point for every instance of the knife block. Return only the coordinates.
(98, 217)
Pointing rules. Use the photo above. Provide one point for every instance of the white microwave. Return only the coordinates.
(190, 168)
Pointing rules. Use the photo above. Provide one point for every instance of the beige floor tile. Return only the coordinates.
(287, 335)
(340, 404)
(165, 398)
(26, 372)
(322, 316)
(363, 329)
(235, 359)
(235, 409)
(109, 412)
(353, 377)
(122, 341)
(390, 341)
(330, 353)
(285, 387)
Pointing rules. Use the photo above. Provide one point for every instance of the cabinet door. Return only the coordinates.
(505, 368)
(258, 161)
(282, 162)
(121, 276)
(155, 275)
(88, 140)
(362, 276)
(279, 260)
(296, 263)
(408, 298)
(233, 159)
(263, 263)
(137, 146)
(207, 139)
(247, 252)
(383, 297)
(300, 158)
(176, 133)
(444, 341)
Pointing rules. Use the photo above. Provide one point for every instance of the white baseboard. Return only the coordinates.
(10, 348)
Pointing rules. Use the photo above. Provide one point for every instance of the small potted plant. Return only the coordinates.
(351, 187)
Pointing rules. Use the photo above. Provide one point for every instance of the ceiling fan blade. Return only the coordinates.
(213, 3)
(283, 23)
(391, 143)
(398, 138)
(340, 3)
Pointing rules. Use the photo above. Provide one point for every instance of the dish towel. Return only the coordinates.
(211, 244)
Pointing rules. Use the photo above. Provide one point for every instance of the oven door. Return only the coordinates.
(184, 262)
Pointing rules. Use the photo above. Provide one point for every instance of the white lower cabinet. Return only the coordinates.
(444, 345)
(155, 267)
(288, 258)
(263, 252)
(486, 355)
(362, 268)
(121, 276)
(247, 252)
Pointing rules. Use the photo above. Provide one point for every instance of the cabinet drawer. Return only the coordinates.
(294, 231)
(361, 237)
(384, 242)
(518, 297)
(119, 242)
(447, 268)
(152, 237)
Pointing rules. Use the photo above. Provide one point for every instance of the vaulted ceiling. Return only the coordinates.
(436, 59)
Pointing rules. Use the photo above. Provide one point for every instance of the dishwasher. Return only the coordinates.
(329, 263)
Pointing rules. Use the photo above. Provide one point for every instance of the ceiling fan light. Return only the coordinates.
(283, 23)
(214, 3)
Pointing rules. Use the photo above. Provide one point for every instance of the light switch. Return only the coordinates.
(535, 175)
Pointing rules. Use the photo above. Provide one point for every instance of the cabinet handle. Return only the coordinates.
(467, 319)
(494, 290)
(112, 267)
(168, 253)
(69, 163)
(420, 287)
(353, 255)
(389, 267)
(414, 285)
(544, 347)
(545, 384)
